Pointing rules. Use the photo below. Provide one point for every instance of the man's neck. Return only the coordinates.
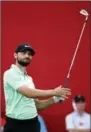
(20, 67)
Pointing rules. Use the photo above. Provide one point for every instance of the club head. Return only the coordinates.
(84, 12)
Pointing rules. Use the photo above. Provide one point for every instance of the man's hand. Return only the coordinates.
(58, 92)
(62, 92)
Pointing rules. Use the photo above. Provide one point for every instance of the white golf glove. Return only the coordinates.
(58, 99)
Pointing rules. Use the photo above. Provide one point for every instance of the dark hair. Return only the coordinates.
(79, 98)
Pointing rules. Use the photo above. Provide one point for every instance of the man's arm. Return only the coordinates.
(35, 93)
(43, 104)
(28, 91)
(78, 130)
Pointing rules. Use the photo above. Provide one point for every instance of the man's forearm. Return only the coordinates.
(35, 93)
(43, 104)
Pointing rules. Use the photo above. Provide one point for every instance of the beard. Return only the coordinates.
(23, 63)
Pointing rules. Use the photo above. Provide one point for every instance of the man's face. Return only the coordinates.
(23, 58)
(80, 106)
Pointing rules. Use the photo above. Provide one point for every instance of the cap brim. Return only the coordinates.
(79, 100)
(29, 49)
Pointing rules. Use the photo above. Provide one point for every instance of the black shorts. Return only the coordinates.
(14, 125)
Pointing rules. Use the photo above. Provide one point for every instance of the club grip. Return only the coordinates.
(65, 85)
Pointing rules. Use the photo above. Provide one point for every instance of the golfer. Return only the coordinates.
(21, 95)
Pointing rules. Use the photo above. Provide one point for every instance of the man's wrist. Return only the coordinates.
(57, 99)
(53, 92)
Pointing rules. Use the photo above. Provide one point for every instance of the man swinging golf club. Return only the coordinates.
(21, 95)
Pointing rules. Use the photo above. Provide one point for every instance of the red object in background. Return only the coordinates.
(2, 121)
(53, 29)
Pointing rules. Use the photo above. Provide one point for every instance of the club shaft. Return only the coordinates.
(75, 53)
(73, 59)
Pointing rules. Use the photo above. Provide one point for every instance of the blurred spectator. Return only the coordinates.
(78, 120)
(42, 124)
(1, 129)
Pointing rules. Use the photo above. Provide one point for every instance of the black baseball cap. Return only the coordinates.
(23, 47)
(79, 98)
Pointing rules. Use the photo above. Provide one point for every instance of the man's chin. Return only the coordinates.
(24, 64)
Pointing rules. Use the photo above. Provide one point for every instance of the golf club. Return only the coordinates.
(85, 13)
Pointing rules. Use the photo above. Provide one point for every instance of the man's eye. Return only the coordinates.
(29, 54)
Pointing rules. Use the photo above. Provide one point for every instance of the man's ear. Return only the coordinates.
(15, 55)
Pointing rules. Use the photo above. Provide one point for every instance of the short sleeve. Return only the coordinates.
(32, 85)
(69, 122)
(13, 80)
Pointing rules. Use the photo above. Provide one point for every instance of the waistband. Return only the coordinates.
(9, 119)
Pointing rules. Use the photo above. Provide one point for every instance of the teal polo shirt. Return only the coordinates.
(17, 105)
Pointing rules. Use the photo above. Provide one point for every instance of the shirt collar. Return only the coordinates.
(76, 113)
(18, 69)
